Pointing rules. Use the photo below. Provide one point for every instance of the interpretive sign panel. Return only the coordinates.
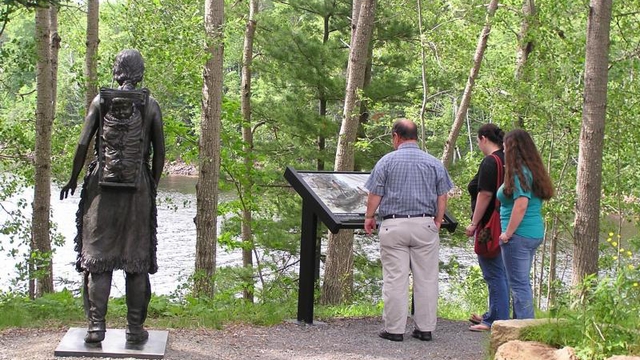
(339, 199)
(342, 193)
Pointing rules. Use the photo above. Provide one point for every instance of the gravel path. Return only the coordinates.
(341, 339)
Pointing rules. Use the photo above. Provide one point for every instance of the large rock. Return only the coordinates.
(529, 350)
(503, 331)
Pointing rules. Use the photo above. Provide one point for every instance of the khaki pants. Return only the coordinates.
(409, 245)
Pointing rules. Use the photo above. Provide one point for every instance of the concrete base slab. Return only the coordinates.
(114, 345)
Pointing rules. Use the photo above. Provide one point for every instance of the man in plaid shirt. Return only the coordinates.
(409, 189)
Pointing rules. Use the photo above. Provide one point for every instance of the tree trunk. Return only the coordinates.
(247, 138)
(55, 48)
(423, 72)
(553, 260)
(321, 143)
(589, 176)
(356, 5)
(91, 57)
(91, 63)
(338, 279)
(525, 46)
(466, 96)
(322, 105)
(209, 151)
(41, 241)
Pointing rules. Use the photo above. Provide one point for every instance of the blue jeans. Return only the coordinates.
(496, 279)
(517, 255)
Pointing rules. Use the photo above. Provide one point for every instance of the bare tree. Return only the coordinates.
(589, 176)
(54, 49)
(423, 72)
(449, 145)
(525, 45)
(338, 279)
(40, 265)
(209, 151)
(247, 138)
(91, 57)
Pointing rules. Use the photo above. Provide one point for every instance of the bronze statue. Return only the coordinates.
(116, 219)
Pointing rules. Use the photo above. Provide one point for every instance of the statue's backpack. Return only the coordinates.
(121, 136)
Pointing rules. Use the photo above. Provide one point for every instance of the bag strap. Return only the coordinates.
(498, 183)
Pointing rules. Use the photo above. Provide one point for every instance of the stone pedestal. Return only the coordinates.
(114, 345)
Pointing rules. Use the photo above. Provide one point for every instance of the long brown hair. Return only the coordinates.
(521, 152)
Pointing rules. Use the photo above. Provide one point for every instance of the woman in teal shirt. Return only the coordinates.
(526, 185)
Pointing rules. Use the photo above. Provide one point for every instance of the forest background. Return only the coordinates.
(450, 65)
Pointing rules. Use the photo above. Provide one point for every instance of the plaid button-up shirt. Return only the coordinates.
(409, 181)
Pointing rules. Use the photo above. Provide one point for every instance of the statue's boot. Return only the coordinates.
(138, 296)
(97, 287)
(96, 332)
(136, 334)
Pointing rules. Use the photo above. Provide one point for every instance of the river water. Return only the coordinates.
(176, 241)
(176, 238)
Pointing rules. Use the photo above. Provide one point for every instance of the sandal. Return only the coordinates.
(479, 328)
(475, 319)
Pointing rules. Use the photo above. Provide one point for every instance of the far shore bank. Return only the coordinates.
(178, 167)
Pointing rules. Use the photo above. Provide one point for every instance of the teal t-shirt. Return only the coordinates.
(532, 225)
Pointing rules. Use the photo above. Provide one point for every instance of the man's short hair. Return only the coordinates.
(406, 129)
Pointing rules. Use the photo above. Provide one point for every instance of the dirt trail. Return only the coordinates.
(342, 339)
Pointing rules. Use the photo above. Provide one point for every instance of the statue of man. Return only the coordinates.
(116, 219)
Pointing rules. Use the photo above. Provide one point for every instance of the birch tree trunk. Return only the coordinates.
(91, 57)
(91, 63)
(468, 89)
(338, 280)
(247, 138)
(423, 73)
(209, 151)
(41, 264)
(589, 176)
(525, 46)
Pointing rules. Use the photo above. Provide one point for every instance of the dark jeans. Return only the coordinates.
(494, 275)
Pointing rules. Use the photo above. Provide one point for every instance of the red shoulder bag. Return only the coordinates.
(487, 236)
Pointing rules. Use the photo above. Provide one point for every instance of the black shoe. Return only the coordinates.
(393, 337)
(422, 335)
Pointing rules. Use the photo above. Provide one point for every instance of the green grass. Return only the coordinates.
(359, 309)
(63, 309)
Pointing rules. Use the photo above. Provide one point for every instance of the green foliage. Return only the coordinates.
(466, 294)
(11, 8)
(62, 308)
(602, 319)
(56, 308)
